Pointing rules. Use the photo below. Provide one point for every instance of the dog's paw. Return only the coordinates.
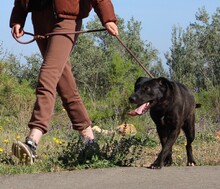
(168, 161)
(155, 166)
(191, 164)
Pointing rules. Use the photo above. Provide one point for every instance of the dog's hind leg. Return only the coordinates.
(189, 130)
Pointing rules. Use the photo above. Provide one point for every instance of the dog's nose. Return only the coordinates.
(132, 99)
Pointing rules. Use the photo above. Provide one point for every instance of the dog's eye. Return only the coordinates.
(146, 89)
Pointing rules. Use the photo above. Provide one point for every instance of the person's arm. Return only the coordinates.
(18, 18)
(105, 11)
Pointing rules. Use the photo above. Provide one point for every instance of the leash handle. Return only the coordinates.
(132, 54)
(34, 37)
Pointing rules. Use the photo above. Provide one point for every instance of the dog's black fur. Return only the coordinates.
(172, 108)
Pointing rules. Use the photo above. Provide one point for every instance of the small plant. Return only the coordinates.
(116, 152)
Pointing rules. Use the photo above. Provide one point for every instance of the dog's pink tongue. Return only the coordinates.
(138, 111)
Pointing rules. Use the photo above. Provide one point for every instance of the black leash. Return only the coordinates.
(36, 37)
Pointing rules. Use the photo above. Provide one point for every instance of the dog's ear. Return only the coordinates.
(163, 81)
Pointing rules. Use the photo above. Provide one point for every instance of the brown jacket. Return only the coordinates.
(70, 9)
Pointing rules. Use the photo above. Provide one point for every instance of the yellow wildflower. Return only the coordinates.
(1, 150)
(57, 141)
(179, 156)
(18, 137)
(6, 141)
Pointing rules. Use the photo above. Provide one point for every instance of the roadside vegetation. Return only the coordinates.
(105, 74)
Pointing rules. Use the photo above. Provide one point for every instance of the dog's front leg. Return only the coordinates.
(166, 148)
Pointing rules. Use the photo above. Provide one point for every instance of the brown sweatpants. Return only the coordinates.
(55, 73)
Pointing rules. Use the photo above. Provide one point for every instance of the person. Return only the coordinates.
(55, 74)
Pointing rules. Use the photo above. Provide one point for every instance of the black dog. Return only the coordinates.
(172, 107)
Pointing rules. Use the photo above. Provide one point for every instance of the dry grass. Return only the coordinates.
(205, 154)
(206, 147)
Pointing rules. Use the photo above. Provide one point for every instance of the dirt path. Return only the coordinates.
(119, 178)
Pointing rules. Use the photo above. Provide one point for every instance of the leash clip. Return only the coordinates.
(39, 37)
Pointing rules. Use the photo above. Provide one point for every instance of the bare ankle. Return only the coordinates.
(87, 134)
(35, 135)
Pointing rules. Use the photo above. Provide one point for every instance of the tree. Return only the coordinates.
(194, 56)
(28, 71)
(31, 69)
(93, 57)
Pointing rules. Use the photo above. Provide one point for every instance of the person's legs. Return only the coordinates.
(55, 75)
(73, 104)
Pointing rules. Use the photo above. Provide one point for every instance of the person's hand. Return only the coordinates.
(112, 28)
(17, 31)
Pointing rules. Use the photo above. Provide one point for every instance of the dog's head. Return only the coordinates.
(147, 93)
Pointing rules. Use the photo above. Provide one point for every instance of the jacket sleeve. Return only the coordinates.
(18, 14)
(105, 10)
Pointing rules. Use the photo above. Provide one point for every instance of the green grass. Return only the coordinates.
(59, 149)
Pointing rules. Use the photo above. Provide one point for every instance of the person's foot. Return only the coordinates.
(25, 152)
(91, 149)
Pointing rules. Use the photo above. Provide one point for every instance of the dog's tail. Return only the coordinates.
(198, 105)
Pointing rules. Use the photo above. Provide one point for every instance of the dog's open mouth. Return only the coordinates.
(140, 110)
